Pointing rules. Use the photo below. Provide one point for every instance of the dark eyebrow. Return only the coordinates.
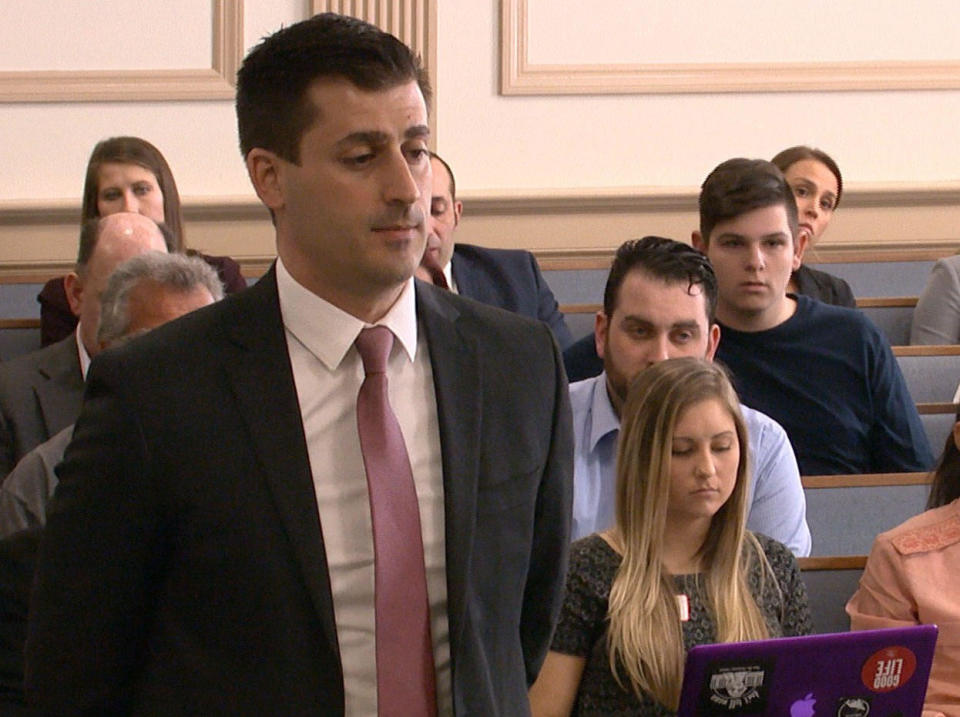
(374, 137)
(418, 131)
(369, 137)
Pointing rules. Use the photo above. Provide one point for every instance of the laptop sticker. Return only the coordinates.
(853, 707)
(737, 688)
(888, 669)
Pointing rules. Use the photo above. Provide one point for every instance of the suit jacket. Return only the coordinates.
(824, 287)
(40, 394)
(936, 320)
(508, 279)
(18, 554)
(190, 454)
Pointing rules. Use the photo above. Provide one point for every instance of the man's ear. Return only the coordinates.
(73, 288)
(713, 341)
(266, 174)
(800, 243)
(457, 211)
(600, 327)
(696, 238)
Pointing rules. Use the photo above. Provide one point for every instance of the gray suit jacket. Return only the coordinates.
(190, 454)
(936, 320)
(40, 395)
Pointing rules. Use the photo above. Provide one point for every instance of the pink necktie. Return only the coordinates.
(406, 682)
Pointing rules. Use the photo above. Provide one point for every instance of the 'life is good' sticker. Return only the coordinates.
(888, 669)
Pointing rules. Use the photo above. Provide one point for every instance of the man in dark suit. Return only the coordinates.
(506, 278)
(213, 545)
(40, 392)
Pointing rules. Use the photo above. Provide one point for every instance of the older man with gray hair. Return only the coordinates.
(142, 293)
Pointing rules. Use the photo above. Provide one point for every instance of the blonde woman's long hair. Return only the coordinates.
(645, 634)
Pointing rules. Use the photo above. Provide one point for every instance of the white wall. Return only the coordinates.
(45, 146)
(503, 143)
(563, 150)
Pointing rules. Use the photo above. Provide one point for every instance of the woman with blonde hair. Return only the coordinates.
(679, 567)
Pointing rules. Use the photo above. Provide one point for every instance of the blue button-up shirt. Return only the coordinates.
(777, 506)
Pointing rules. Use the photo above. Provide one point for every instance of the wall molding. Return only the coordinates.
(209, 83)
(568, 229)
(519, 76)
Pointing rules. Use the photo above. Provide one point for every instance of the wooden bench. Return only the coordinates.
(846, 512)
(931, 372)
(18, 336)
(830, 582)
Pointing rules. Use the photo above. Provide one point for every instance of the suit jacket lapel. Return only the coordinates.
(457, 381)
(266, 395)
(59, 386)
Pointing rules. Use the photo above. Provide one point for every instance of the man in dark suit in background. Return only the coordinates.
(506, 278)
(216, 544)
(40, 392)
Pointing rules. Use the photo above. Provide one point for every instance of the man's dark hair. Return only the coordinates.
(740, 185)
(669, 261)
(453, 182)
(90, 231)
(273, 107)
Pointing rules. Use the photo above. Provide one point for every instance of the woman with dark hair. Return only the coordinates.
(127, 174)
(913, 577)
(679, 568)
(817, 186)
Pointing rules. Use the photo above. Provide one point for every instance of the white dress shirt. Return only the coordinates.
(82, 354)
(327, 371)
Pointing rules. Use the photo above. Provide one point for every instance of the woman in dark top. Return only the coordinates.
(678, 568)
(817, 186)
(127, 174)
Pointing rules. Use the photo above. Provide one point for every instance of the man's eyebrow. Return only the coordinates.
(417, 131)
(371, 137)
(376, 137)
(633, 318)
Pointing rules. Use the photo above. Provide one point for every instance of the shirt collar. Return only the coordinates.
(448, 275)
(604, 420)
(82, 354)
(327, 331)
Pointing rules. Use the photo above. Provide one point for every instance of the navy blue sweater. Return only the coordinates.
(828, 376)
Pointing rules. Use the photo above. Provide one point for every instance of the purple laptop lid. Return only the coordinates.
(881, 673)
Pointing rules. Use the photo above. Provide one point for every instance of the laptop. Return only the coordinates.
(881, 673)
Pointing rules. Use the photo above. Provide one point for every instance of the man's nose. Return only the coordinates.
(400, 185)
(661, 349)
